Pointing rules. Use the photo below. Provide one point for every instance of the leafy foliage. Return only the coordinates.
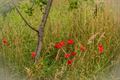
(73, 4)
(39, 3)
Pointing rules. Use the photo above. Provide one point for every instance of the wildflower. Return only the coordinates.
(73, 53)
(62, 43)
(70, 41)
(59, 45)
(33, 55)
(100, 48)
(82, 48)
(69, 62)
(67, 55)
(4, 41)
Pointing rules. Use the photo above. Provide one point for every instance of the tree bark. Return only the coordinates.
(41, 29)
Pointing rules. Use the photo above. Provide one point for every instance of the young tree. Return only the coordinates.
(40, 31)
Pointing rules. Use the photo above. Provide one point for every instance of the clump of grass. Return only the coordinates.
(86, 30)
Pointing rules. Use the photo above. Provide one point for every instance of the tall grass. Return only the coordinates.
(80, 24)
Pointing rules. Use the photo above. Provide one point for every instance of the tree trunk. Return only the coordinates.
(41, 29)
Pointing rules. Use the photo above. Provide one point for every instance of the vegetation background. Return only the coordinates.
(67, 20)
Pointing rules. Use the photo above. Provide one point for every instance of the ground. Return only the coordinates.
(5, 73)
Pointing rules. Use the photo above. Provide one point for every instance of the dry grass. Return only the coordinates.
(80, 24)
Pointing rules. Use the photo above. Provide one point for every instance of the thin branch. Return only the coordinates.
(24, 18)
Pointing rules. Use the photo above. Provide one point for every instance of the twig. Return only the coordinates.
(23, 17)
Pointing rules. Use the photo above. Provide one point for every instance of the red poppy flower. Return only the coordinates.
(70, 41)
(62, 43)
(82, 48)
(69, 62)
(67, 55)
(73, 53)
(100, 48)
(59, 45)
(33, 55)
(4, 41)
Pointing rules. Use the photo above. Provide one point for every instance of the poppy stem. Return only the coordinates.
(63, 50)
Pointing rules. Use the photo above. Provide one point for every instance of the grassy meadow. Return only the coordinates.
(95, 39)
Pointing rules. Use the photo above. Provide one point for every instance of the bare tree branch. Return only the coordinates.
(24, 18)
(41, 28)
